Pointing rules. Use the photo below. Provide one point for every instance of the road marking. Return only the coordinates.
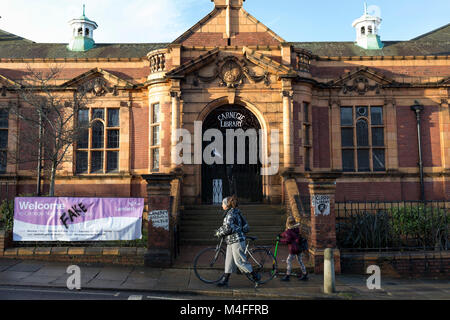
(135, 298)
(163, 298)
(54, 291)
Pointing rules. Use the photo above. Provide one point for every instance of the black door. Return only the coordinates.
(223, 180)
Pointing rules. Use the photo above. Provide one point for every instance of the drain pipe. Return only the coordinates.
(418, 108)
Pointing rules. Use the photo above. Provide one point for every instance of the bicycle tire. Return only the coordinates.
(208, 270)
(265, 264)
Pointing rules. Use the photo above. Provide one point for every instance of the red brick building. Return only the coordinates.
(337, 106)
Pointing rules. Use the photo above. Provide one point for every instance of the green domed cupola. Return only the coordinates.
(82, 33)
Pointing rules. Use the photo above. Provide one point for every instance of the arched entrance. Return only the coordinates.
(239, 177)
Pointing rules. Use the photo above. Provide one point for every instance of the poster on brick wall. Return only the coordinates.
(159, 219)
(321, 205)
(77, 219)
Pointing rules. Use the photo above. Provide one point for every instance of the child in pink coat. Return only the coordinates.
(292, 238)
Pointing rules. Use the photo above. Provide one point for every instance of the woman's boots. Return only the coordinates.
(224, 281)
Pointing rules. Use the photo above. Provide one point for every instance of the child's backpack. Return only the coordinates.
(245, 226)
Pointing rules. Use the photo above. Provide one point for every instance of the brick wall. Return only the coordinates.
(139, 132)
(407, 137)
(321, 138)
(397, 264)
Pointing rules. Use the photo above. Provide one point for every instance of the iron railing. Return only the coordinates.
(393, 226)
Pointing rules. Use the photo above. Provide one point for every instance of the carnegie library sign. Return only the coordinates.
(231, 119)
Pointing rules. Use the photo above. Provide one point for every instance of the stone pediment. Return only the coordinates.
(232, 70)
(362, 81)
(101, 81)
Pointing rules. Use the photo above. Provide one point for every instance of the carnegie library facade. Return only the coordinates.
(339, 107)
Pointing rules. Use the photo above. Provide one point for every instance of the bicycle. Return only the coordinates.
(209, 264)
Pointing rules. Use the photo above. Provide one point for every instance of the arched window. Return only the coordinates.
(98, 135)
(370, 29)
(363, 30)
(87, 32)
(80, 31)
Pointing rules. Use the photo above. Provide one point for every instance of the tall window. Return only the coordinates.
(3, 139)
(155, 140)
(307, 135)
(98, 143)
(362, 137)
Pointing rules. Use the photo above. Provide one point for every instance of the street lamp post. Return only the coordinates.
(418, 108)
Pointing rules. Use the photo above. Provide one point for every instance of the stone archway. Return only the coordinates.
(224, 178)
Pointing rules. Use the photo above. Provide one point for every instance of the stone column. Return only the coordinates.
(322, 188)
(175, 124)
(288, 129)
(390, 120)
(159, 245)
(335, 135)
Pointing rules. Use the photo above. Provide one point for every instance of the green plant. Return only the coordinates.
(366, 230)
(7, 214)
(426, 225)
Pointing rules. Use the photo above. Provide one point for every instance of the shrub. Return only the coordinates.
(7, 214)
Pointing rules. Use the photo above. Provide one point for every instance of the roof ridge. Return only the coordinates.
(431, 32)
(17, 38)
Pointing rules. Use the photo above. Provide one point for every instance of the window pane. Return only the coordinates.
(377, 137)
(113, 117)
(83, 117)
(362, 133)
(3, 161)
(348, 160)
(346, 116)
(112, 161)
(82, 162)
(113, 138)
(83, 139)
(155, 137)
(155, 113)
(155, 159)
(362, 112)
(306, 111)
(97, 135)
(97, 161)
(363, 160)
(98, 114)
(307, 136)
(347, 137)
(376, 115)
(378, 160)
(307, 161)
(3, 139)
(3, 118)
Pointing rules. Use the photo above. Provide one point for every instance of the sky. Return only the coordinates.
(152, 21)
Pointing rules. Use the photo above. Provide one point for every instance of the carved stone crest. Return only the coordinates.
(99, 87)
(231, 73)
(361, 86)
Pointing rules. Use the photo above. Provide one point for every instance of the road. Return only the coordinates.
(36, 293)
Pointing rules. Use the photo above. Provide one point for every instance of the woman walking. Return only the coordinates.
(233, 229)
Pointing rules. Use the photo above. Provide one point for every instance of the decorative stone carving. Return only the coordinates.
(99, 87)
(361, 86)
(231, 73)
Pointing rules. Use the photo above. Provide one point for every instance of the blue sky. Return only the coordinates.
(135, 21)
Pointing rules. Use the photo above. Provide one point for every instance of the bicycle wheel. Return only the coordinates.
(209, 265)
(263, 262)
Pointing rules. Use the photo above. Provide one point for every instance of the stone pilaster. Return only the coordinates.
(175, 124)
(288, 129)
(444, 123)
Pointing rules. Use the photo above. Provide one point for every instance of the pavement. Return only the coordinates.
(182, 280)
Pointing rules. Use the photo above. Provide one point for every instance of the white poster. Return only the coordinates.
(321, 204)
(160, 219)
